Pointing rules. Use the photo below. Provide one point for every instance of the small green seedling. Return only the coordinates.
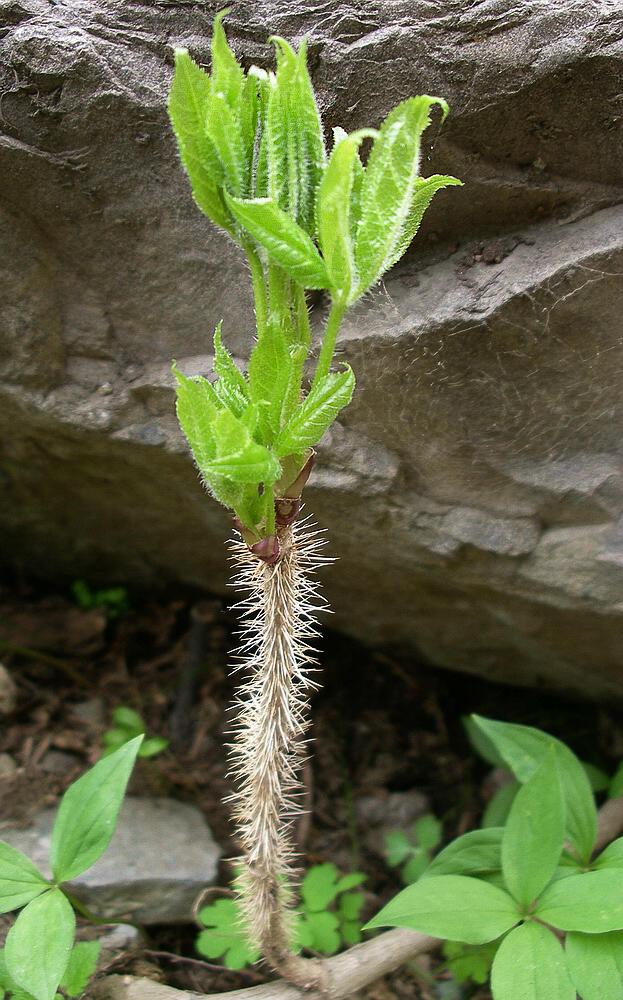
(114, 601)
(39, 955)
(525, 885)
(327, 919)
(469, 963)
(412, 851)
(127, 724)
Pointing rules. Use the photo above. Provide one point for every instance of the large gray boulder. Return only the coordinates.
(474, 488)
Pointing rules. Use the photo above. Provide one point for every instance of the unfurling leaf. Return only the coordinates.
(284, 241)
(530, 965)
(39, 944)
(231, 388)
(451, 906)
(188, 103)
(389, 186)
(316, 413)
(269, 374)
(295, 147)
(334, 214)
(238, 456)
(227, 75)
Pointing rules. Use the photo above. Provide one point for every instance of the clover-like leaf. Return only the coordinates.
(225, 935)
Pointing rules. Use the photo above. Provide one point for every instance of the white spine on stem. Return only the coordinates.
(272, 716)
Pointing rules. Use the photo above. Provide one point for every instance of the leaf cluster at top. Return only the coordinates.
(253, 148)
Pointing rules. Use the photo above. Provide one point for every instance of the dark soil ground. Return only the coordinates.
(382, 723)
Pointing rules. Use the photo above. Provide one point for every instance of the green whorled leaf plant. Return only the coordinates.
(253, 147)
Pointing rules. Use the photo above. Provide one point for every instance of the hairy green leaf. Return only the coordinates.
(81, 966)
(389, 186)
(227, 75)
(425, 190)
(319, 887)
(238, 456)
(285, 242)
(316, 413)
(86, 817)
(269, 374)
(534, 833)
(591, 902)
(197, 406)
(232, 388)
(334, 214)
(595, 963)
(530, 965)
(296, 153)
(224, 131)
(188, 107)
(319, 931)
(475, 853)
(523, 749)
(20, 880)
(451, 906)
(39, 944)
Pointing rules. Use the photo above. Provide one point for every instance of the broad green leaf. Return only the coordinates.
(319, 887)
(398, 847)
(224, 131)
(269, 374)
(238, 456)
(296, 153)
(127, 718)
(227, 76)
(425, 190)
(389, 186)
(530, 965)
(152, 746)
(591, 902)
(599, 780)
(415, 866)
(481, 743)
(475, 853)
(316, 413)
(81, 966)
(534, 833)
(188, 104)
(334, 214)
(595, 963)
(616, 785)
(86, 817)
(39, 944)
(284, 241)
(427, 831)
(499, 807)
(20, 880)
(523, 749)
(611, 857)
(197, 406)
(451, 906)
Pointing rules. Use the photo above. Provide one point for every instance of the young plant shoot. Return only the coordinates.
(306, 218)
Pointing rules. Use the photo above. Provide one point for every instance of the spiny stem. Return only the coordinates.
(336, 315)
(268, 750)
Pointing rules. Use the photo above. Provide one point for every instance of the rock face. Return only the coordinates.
(474, 491)
(161, 857)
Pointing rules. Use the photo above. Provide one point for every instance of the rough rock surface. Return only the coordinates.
(474, 491)
(161, 857)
